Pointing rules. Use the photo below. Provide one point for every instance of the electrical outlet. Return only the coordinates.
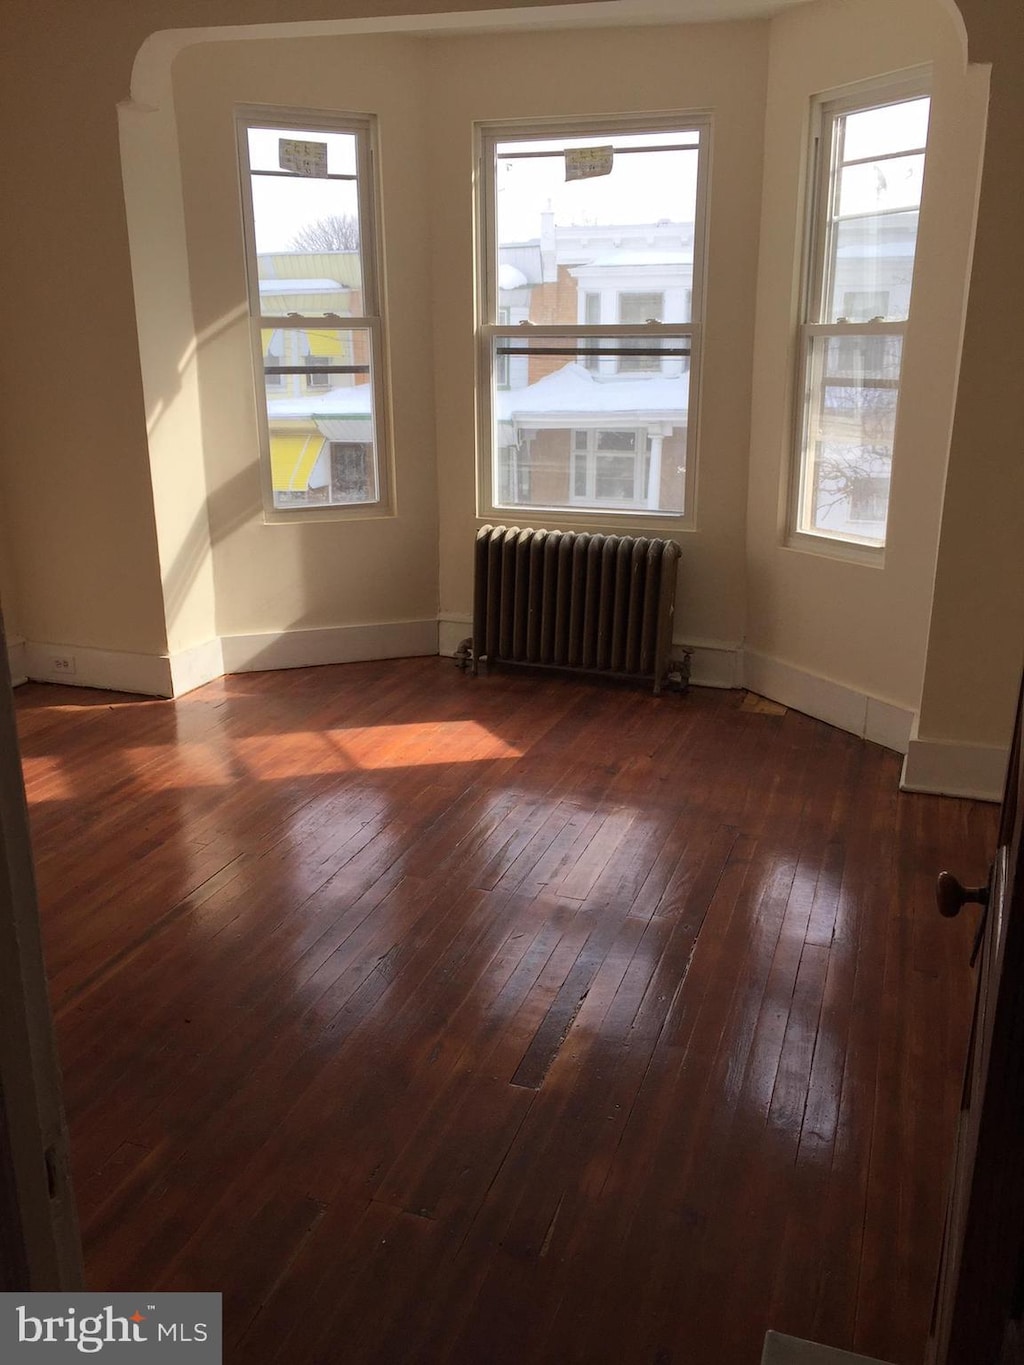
(62, 663)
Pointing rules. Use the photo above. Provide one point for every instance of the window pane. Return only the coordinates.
(265, 148)
(641, 307)
(320, 419)
(341, 357)
(560, 241)
(580, 468)
(851, 415)
(306, 228)
(886, 130)
(569, 436)
(308, 294)
(861, 273)
(615, 479)
(873, 256)
(877, 186)
(865, 305)
(300, 213)
(616, 440)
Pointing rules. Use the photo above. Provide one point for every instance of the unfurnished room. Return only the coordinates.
(511, 584)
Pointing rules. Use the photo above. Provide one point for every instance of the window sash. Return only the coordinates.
(814, 394)
(511, 489)
(823, 214)
(819, 286)
(370, 321)
(690, 126)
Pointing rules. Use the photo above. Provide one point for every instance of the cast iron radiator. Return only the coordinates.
(555, 599)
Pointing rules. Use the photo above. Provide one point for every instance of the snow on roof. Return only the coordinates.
(575, 391)
(524, 257)
(510, 277)
(652, 256)
(354, 400)
(300, 286)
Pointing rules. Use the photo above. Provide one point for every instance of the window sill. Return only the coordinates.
(834, 547)
(635, 521)
(279, 516)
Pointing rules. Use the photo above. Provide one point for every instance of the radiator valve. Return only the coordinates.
(678, 675)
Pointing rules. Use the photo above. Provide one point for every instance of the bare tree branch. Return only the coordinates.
(337, 232)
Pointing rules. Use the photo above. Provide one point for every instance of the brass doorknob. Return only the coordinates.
(952, 897)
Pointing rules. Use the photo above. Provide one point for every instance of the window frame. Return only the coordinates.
(372, 321)
(487, 134)
(826, 110)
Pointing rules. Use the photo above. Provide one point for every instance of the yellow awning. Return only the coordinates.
(292, 459)
(324, 343)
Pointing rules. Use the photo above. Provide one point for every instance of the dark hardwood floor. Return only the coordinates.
(501, 1020)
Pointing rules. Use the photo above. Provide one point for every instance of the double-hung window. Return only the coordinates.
(589, 316)
(868, 156)
(308, 197)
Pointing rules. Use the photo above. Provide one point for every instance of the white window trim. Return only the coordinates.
(364, 126)
(825, 109)
(486, 135)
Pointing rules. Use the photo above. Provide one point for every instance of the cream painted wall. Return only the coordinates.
(74, 471)
(272, 578)
(93, 559)
(721, 68)
(977, 627)
(77, 489)
(854, 623)
(168, 354)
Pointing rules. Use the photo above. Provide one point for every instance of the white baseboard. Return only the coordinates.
(713, 664)
(331, 645)
(160, 675)
(839, 705)
(108, 669)
(945, 767)
(191, 668)
(16, 661)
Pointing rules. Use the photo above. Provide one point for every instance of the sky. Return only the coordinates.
(643, 187)
(282, 206)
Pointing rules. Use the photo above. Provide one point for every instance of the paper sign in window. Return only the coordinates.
(304, 158)
(582, 163)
